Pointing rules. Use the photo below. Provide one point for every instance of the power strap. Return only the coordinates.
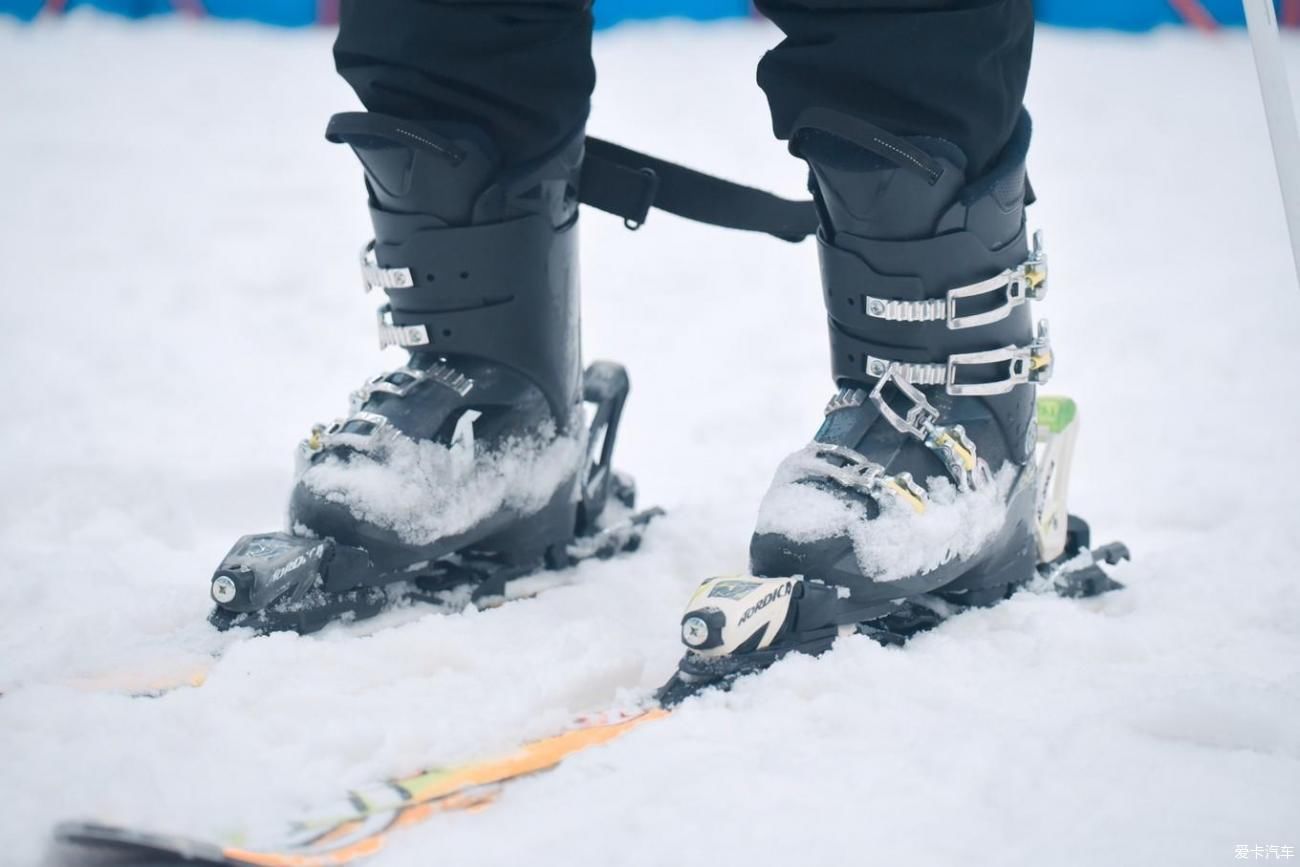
(628, 184)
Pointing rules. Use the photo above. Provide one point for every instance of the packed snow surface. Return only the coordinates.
(177, 253)
(900, 542)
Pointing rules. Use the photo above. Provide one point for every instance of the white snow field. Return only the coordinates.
(178, 262)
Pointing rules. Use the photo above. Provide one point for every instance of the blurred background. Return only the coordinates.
(1117, 14)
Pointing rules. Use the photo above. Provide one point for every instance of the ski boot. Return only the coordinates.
(919, 495)
(474, 463)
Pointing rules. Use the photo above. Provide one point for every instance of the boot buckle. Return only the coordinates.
(950, 444)
(399, 383)
(921, 416)
(403, 380)
(1025, 364)
(850, 469)
(373, 276)
(361, 431)
(405, 336)
(1026, 282)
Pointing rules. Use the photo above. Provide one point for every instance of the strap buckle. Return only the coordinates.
(921, 418)
(1025, 364)
(397, 382)
(852, 470)
(401, 381)
(405, 336)
(1026, 282)
(950, 444)
(373, 276)
(362, 431)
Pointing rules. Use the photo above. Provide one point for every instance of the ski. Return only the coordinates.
(360, 823)
(789, 615)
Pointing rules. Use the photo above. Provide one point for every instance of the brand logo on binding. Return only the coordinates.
(297, 562)
(783, 590)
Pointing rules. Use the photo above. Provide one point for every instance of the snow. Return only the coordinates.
(425, 491)
(177, 256)
(900, 542)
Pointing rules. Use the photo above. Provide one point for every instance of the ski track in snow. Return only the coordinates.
(177, 256)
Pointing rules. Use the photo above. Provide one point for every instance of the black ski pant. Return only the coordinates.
(522, 69)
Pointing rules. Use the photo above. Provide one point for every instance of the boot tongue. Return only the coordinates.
(437, 171)
(867, 195)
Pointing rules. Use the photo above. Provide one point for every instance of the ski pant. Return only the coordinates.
(522, 71)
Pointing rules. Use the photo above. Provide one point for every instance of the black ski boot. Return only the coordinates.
(473, 463)
(920, 478)
(919, 494)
